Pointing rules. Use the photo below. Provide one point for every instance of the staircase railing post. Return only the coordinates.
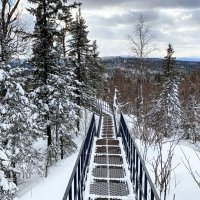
(99, 125)
(139, 175)
(75, 185)
(115, 123)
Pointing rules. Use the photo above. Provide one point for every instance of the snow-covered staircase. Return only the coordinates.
(109, 168)
(108, 176)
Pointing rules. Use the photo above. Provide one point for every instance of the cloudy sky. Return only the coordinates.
(172, 21)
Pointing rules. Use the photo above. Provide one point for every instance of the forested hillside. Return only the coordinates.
(45, 102)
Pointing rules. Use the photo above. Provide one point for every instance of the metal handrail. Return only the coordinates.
(143, 185)
(99, 125)
(114, 119)
(103, 105)
(75, 185)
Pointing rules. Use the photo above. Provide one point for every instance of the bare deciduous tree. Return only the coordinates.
(141, 45)
(10, 28)
(195, 175)
(142, 42)
(162, 166)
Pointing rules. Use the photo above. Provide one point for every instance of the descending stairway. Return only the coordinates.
(108, 176)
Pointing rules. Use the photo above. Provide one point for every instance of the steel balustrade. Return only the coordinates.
(114, 119)
(99, 125)
(75, 186)
(142, 183)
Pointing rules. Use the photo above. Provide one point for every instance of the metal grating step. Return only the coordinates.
(115, 160)
(118, 188)
(113, 142)
(109, 150)
(101, 149)
(107, 136)
(99, 187)
(114, 150)
(105, 141)
(112, 160)
(100, 159)
(111, 188)
(100, 171)
(107, 131)
(114, 172)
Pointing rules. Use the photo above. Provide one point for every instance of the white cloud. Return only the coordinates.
(175, 22)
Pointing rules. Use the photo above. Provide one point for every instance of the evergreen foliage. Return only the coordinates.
(67, 72)
(165, 116)
(79, 47)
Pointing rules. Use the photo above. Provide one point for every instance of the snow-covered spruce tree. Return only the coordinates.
(17, 133)
(45, 60)
(66, 19)
(95, 71)
(7, 187)
(63, 108)
(52, 81)
(191, 119)
(79, 48)
(165, 115)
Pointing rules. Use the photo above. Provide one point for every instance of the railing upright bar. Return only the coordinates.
(99, 125)
(139, 174)
(141, 182)
(145, 187)
(115, 123)
(75, 184)
(70, 194)
(152, 194)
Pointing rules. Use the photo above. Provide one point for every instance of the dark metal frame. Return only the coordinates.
(99, 125)
(75, 186)
(114, 119)
(142, 183)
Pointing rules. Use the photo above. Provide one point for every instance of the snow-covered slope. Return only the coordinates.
(52, 187)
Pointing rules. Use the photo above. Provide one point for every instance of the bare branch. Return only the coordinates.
(190, 170)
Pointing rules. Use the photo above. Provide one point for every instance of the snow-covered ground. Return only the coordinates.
(54, 186)
(182, 185)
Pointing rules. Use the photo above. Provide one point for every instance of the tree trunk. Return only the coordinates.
(61, 148)
(49, 140)
(13, 174)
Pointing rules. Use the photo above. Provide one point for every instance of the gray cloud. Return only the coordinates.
(171, 24)
(126, 19)
(143, 3)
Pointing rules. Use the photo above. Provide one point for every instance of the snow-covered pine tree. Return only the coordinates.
(63, 115)
(165, 115)
(66, 19)
(64, 106)
(17, 133)
(52, 79)
(79, 47)
(191, 119)
(45, 61)
(96, 70)
(7, 187)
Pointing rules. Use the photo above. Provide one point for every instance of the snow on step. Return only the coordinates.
(108, 175)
